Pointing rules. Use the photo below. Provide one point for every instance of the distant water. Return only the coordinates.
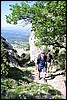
(12, 35)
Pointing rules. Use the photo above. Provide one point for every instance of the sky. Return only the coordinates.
(5, 11)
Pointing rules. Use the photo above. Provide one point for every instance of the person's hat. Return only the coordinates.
(42, 52)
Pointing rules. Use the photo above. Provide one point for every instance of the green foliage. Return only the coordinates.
(57, 97)
(49, 23)
(4, 61)
(48, 20)
(54, 92)
(12, 95)
(23, 59)
(28, 48)
(11, 83)
(38, 43)
(21, 85)
(3, 51)
(52, 28)
(29, 90)
(61, 59)
(4, 70)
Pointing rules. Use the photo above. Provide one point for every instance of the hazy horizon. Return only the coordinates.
(12, 35)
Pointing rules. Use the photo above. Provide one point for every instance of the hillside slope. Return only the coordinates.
(10, 57)
(18, 81)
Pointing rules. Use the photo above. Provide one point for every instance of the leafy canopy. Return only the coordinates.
(48, 20)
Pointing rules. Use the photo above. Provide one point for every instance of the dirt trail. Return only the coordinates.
(57, 82)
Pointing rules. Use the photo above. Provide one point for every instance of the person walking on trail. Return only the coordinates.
(41, 63)
(49, 58)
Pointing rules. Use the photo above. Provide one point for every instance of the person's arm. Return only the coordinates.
(36, 66)
(46, 61)
(37, 62)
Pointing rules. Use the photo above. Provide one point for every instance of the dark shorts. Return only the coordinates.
(40, 69)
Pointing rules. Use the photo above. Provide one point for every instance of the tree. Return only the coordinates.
(48, 20)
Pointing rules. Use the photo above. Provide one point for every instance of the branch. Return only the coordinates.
(55, 44)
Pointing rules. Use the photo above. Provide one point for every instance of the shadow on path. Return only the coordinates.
(52, 76)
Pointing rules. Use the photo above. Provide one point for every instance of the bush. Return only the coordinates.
(61, 59)
(23, 59)
(4, 70)
(54, 92)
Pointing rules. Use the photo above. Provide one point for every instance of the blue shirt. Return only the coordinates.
(41, 61)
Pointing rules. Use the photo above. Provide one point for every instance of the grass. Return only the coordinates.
(12, 88)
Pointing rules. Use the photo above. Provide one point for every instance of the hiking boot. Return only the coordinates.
(39, 77)
(45, 80)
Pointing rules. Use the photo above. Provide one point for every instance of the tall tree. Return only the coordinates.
(48, 20)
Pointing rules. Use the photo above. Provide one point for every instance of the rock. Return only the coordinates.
(34, 50)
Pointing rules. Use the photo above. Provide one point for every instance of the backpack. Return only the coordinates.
(38, 59)
(49, 57)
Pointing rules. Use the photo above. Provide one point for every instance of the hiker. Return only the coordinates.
(49, 58)
(41, 63)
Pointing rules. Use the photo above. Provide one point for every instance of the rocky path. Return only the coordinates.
(57, 81)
